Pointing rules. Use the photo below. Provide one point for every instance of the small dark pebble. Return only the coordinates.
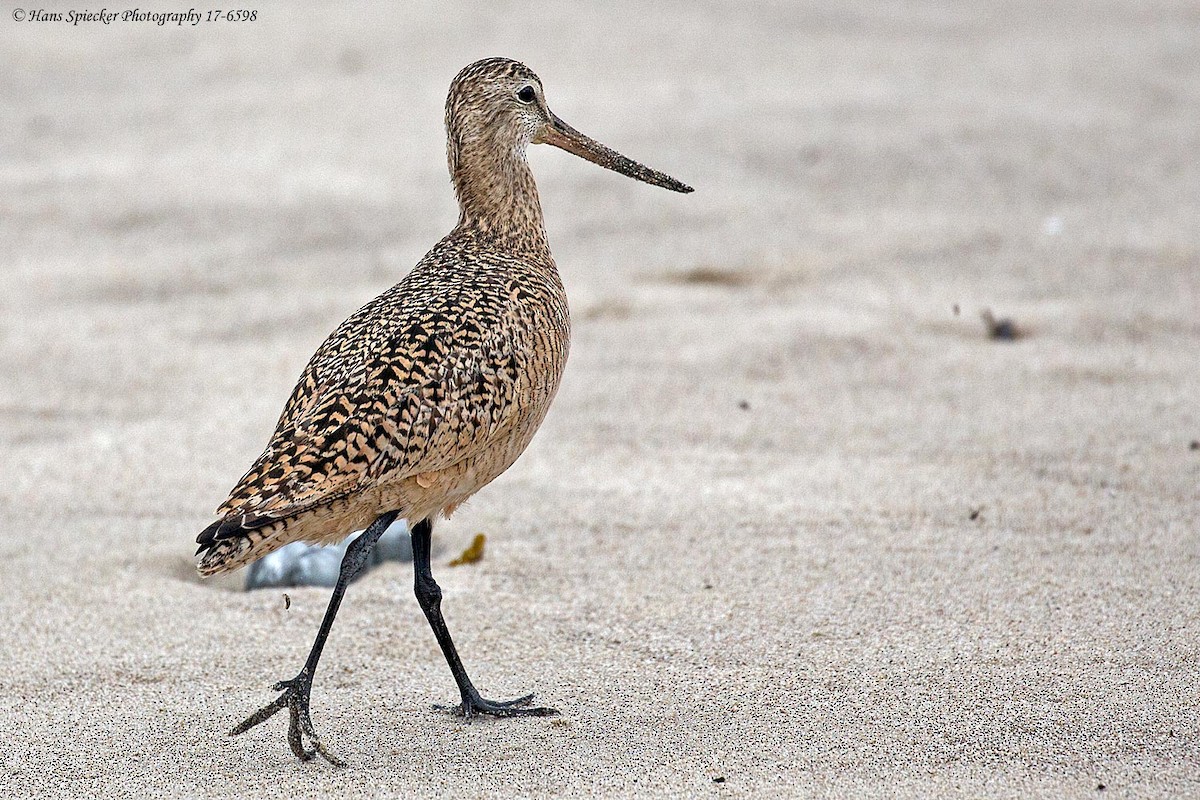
(956, 309)
(1003, 329)
(1100, 787)
(708, 586)
(287, 601)
(719, 779)
(1194, 445)
(744, 405)
(975, 512)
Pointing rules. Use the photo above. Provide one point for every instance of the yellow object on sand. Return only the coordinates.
(473, 553)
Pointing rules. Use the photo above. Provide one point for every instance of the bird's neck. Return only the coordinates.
(496, 192)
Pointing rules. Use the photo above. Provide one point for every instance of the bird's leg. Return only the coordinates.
(429, 596)
(296, 691)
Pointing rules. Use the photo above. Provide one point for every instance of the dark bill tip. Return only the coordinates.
(563, 136)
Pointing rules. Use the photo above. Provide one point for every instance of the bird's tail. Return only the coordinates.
(234, 542)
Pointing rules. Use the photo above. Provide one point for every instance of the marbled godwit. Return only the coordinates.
(431, 390)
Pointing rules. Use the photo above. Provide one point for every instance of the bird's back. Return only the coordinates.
(415, 402)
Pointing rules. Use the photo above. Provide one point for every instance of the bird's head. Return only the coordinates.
(500, 104)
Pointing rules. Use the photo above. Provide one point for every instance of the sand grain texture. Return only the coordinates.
(742, 544)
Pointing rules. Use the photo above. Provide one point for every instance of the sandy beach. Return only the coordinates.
(795, 526)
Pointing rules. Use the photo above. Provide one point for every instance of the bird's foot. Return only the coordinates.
(473, 704)
(295, 699)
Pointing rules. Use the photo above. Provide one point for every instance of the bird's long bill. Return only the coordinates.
(562, 135)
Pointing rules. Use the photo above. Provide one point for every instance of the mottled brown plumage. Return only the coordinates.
(423, 396)
(434, 388)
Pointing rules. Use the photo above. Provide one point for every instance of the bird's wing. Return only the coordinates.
(432, 395)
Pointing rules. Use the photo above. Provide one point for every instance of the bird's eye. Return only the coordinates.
(526, 94)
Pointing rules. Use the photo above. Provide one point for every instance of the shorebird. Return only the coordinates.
(431, 390)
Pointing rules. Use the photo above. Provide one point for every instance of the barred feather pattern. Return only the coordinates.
(415, 402)
(434, 388)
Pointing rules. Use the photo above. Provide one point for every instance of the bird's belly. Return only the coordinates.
(425, 495)
(440, 492)
(428, 494)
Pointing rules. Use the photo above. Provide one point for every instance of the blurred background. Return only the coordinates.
(787, 460)
(245, 184)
